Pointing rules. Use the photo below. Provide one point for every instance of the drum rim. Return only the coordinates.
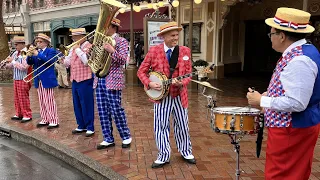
(215, 110)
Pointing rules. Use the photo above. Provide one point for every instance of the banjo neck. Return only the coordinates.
(169, 81)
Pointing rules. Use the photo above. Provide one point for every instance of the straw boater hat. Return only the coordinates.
(43, 36)
(170, 26)
(79, 31)
(116, 22)
(292, 20)
(18, 39)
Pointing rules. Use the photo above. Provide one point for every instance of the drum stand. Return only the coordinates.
(210, 100)
(236, 145)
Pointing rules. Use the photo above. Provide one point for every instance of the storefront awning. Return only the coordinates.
(137, 19)
(14, 30)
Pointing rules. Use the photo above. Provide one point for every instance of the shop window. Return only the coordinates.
(14, 8)
(196, 37)
(7, 6)
(41, 3)
(34, 3)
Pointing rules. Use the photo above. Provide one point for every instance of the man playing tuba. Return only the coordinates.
(45, 82)
(108, 91)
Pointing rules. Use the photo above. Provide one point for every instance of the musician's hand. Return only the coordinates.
(9, 59)
(109, 48)
(35, 52)
(61, 60)
(254, 97)
(176, 82)
(76, 46)
(155, 86)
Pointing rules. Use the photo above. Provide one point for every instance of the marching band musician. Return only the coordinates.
(45, 82)
(291, 103)
(82, 82)
(108, 91)
(21, 88)
(158, 59)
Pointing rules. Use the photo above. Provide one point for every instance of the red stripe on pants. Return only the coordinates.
(290, 152)
(21, 98)
(48, 107)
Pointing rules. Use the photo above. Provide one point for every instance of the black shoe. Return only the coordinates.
(190, 161)
(156, 165)
(126, 145)
(52, 127)
(16, 118)
(60, 87)
(41, 125)
(78, 132)
(99, 147)
(25, 120)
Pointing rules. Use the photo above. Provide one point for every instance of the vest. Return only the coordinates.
(311, 115)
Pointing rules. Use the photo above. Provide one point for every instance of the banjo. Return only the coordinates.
(165, 82)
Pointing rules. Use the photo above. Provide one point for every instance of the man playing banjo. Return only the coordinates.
(158, 58)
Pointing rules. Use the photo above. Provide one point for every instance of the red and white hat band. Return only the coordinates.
(289, 24)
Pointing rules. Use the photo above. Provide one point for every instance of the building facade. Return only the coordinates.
(229, 33)
(232, 33)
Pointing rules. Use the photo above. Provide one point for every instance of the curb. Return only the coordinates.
(86, 165)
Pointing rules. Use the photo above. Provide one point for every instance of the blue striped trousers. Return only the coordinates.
(162, 112)
(109, 107)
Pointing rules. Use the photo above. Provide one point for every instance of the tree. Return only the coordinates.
(4, 48)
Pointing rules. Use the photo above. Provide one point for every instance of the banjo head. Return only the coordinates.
(154, 94)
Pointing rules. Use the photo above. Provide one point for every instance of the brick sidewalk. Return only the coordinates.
(214, 153)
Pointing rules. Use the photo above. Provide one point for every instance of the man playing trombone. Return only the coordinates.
(46, 81)
(21, 88)
(82, 82)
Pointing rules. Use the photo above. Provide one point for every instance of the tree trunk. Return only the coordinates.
(4, 48)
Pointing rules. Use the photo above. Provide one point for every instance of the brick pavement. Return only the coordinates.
(214, 153)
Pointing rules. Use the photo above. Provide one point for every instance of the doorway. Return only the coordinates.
(259, 59)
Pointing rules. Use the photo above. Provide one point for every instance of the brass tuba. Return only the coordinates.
(100, 60)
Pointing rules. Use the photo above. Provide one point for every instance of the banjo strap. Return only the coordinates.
(174, 60)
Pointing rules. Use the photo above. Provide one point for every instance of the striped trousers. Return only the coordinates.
(162, 112)
(48, 107)
(21, 98)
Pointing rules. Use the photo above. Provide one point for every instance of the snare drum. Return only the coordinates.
(234, 119)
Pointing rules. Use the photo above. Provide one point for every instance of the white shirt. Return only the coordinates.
(297, 79)
(166, 49)
(82, 55)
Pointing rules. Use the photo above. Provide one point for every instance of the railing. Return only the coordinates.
(55, 3)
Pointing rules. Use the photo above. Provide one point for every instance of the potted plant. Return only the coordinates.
(199, 65)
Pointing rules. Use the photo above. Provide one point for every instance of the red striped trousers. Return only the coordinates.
(21, 98)
(48, 107)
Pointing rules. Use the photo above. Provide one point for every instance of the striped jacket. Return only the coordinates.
(19, 65)
(115, 78)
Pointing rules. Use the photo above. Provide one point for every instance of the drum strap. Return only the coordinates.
(174, 60)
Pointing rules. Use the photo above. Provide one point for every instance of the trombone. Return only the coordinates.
(64, 52)
(4, 62)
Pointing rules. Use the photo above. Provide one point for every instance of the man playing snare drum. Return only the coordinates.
(291, 103)
(176, 102)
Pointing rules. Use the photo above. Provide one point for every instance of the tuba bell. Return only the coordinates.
(100, 60)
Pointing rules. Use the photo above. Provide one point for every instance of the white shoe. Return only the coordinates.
(77, 129)
(105, 143)
(159, 162)
(127, 141)
(89, 133)
(189, 157)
